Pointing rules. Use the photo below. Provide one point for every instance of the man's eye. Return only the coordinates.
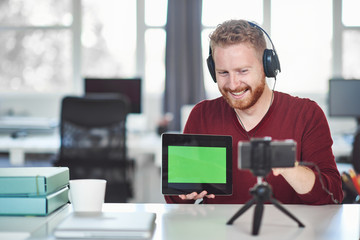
(222, 73)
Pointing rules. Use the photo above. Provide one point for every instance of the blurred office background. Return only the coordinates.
(48, 48)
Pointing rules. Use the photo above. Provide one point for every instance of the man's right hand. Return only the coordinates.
(195, 195)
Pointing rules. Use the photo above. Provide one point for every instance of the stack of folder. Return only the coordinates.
(33, 190)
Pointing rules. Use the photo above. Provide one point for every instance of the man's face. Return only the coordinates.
(239, 74)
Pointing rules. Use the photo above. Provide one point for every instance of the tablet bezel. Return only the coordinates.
(201, 140)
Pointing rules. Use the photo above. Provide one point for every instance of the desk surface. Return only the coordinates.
(180, 221)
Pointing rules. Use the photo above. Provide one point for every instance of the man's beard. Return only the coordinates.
(247, 103)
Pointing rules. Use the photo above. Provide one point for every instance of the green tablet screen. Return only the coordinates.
(194, 164)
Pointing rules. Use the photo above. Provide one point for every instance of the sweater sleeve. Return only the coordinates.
(316, 149)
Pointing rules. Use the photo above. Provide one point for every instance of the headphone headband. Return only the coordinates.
(258, 27)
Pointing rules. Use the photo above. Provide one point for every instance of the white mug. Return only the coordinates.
(87, 195)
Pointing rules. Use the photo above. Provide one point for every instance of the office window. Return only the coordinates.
(350, 39)
(35, 46)
(350, 12)
(302, 34)
(127, 38)
(155, 44)
(108, 38)
(112, 47)
(213, 14)
(155, 41)
(351, 54)
(35, 12)
(155, 13)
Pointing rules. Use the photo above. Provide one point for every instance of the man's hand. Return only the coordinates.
(195, 195)
(301, 178)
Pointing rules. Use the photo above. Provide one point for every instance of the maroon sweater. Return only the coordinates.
(288, 118)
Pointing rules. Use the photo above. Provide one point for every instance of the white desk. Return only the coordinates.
(180, 221)
(137, 144)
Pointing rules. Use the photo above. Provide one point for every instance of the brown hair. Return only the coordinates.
(238, 31)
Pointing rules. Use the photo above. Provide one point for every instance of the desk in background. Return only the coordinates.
(137, 144)
(193, 221)
(145, 148)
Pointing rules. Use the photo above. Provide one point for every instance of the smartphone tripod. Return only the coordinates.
(261, 192)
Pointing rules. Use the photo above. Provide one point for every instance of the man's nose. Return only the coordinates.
(234, 81)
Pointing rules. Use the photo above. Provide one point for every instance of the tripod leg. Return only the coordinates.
(259, 209)
(281, 208)
(241, 211)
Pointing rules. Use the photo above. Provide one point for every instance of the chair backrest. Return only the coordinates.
(93, 142)
(93, 128)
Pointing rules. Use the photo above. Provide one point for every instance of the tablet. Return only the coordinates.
(193, 163)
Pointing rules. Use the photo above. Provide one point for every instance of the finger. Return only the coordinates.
(210, 196)
(276, 171)
(279, 171)
(190, 196)
(182, 196)
(202, 194)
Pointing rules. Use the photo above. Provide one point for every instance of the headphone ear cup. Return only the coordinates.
(271, 63)
(211, 67)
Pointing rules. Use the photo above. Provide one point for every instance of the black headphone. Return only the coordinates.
(270, 59)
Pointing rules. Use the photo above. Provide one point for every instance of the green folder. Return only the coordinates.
(35, 205)
(32, 181)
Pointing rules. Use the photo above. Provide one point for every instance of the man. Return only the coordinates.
(248, 108)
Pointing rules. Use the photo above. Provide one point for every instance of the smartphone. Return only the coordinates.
(263, 153)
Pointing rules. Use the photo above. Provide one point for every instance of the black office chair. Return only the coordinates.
(93, 143)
